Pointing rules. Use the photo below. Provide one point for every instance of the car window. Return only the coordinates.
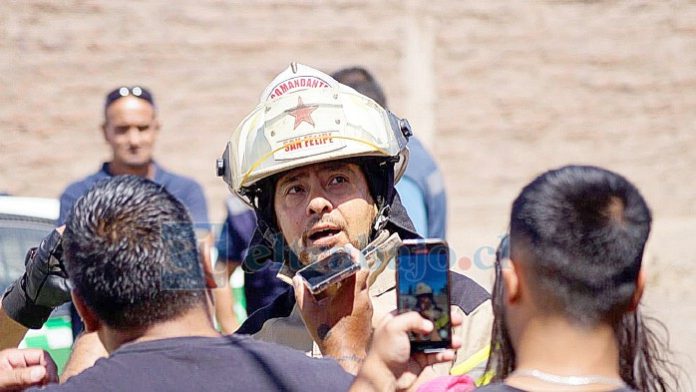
(17, 235)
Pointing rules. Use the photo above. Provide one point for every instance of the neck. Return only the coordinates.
(195, 322)
(119, 169)
(553, 345)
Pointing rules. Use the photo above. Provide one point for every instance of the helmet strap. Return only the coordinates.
(381, 219)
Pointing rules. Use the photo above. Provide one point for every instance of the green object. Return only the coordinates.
(237, 282)
(55, 337)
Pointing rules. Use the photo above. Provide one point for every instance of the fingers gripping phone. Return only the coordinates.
(422, 282)
(335, 267)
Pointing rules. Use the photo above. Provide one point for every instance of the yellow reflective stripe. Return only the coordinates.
(485, 379)
(470, 363)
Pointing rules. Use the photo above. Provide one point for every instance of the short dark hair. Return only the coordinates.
(131, 254)
(585, 230)
(582, 231)
(362, 81)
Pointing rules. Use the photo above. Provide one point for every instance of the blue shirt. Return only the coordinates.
(260, 286)
(185, 189)
(425, 174)
(413, 200)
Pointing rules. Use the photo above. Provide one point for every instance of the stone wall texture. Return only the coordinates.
(499, 91)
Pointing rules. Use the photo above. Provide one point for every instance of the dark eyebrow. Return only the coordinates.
(335, 166)
(328, 166)
(292, 177)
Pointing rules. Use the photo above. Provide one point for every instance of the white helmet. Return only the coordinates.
(306, 117)
(423, 289)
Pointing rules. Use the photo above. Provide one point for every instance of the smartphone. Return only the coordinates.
(335, 267)
(422, 282)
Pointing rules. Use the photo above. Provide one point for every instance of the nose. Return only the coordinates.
(318, 203)
(134, 137)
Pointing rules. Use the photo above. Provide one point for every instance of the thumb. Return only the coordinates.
(361, 279)
(21, 377)
(411, 322)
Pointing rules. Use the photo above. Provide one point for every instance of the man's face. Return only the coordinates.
(324, 206)
(131, 129)
(424, 302)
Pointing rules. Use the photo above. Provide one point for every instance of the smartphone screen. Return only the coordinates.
(331, 269)
(423, 287)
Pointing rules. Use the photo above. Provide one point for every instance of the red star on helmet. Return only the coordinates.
(302, 113)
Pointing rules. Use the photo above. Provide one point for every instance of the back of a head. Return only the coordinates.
(584, 229)
(362, 81)
(130, 252)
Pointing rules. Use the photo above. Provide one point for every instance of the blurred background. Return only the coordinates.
(497, 90)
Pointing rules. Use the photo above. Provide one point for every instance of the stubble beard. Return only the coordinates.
(310, 255)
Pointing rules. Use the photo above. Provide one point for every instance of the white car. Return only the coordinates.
(24, 222)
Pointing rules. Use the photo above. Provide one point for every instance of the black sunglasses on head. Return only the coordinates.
(124, 91)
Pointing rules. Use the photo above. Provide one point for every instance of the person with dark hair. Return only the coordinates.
(568, 288)
(131, 127)
(137, 281)
(422, 187)
(131, 254)
(318, 162)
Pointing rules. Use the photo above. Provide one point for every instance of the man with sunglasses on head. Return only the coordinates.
(131, 127)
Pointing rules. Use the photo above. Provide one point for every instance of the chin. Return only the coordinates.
(137, 163)
(317, 252)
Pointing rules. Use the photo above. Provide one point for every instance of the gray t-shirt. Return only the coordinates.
(226, 363)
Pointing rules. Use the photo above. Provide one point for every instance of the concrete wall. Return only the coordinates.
(499, 90)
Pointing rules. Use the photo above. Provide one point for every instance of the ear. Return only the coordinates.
(511, 282)
(638, 293)
(88, 317)
(103, 127)
(204, 246)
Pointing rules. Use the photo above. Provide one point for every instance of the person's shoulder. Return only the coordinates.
(166, 177)
(466, 293)
(300, 372)
(101, 376)
(281, 307)
(297, 362)
(418, 153)
(500, 387)
(79, 187)
(236, 207)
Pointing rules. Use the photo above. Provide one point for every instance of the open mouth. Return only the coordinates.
(323, 234)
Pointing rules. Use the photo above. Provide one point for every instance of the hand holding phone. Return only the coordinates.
(340, 324)
(423, 286)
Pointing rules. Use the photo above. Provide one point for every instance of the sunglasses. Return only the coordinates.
(124, 91)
